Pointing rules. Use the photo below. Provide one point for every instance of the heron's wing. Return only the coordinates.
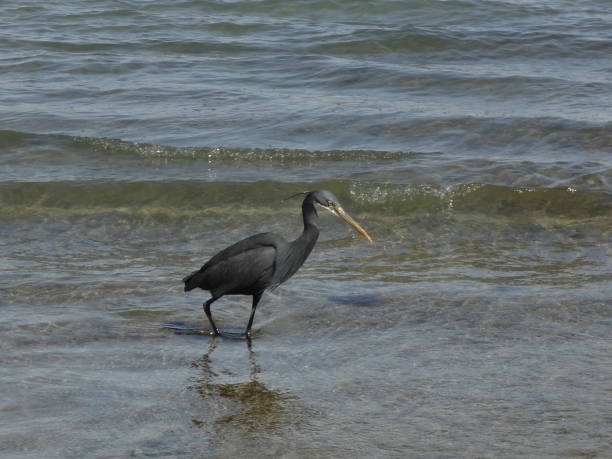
(250, 243)
(246, 268)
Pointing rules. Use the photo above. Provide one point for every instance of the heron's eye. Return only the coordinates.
(330, 204)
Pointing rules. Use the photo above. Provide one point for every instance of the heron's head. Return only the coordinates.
(328, 201)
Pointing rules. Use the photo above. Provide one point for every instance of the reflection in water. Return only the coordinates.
(257, 407)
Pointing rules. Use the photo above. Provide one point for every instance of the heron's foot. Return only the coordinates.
(248, 334)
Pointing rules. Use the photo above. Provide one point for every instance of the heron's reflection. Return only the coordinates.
(258, 408)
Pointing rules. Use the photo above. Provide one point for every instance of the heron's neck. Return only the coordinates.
(309, 236)
(298, 250)
(309, 214)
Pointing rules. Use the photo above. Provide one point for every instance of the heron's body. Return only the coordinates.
(250, 266)
(262, 261)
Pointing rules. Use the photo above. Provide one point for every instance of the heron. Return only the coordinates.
(264, 261)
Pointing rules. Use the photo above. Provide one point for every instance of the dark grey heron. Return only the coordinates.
(265, 260)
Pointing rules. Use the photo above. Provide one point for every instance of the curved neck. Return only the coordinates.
(309, 214)
(298, 250)
(309, 236)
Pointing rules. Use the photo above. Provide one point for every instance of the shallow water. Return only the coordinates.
(471, 139)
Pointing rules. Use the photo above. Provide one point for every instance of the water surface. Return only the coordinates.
(472, 140)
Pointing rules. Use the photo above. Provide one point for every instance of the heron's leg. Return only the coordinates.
(256, 299)
(209, 315)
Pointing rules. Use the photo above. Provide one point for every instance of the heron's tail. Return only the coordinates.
(192, 281)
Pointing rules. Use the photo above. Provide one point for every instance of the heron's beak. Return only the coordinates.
(339, 212)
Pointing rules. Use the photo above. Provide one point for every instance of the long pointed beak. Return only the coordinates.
(339, 212)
